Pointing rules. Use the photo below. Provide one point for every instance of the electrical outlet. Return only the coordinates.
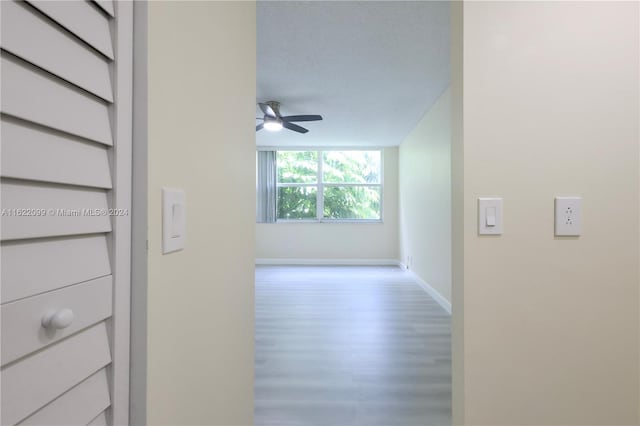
(568, 216)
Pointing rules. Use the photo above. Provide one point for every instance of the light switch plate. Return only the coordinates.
(490, 216)
(568, 216)
(174, 220)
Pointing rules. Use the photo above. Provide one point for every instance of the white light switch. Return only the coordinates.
(173, 220)
(177, 226)
(490, 216)
(568, 214)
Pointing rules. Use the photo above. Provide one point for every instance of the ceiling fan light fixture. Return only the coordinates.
(273, 121)
(272, 124)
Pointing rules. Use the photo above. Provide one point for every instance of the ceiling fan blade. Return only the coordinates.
(294, 127)
(259, 126)
(266, 108)
(302, 118)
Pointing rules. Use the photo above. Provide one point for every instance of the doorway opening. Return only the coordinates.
(353, 233)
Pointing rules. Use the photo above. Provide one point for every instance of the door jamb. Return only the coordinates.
(139, 234)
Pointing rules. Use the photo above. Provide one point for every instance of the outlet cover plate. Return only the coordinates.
(568, 216)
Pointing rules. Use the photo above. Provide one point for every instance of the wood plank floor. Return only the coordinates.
(349, 346)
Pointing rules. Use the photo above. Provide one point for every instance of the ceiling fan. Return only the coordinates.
(273, 121)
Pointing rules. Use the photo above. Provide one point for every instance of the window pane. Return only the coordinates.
(297, 202)
(297, 166)
(352, 202)
(351, 166)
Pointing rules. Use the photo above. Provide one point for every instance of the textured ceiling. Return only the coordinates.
(370, 68)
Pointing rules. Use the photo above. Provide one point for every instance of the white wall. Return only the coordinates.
(338, 240)
(201, 138)
(551, 107)
(425, 197)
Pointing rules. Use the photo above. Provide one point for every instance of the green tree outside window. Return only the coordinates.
(344, 185)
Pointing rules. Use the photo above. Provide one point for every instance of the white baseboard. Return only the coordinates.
(442, 301)
(336, 262)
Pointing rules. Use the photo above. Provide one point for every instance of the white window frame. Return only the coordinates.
(320, 185)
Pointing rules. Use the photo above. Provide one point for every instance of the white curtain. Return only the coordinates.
(266, 187)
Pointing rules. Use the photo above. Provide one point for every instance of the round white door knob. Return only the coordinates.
(58, 320)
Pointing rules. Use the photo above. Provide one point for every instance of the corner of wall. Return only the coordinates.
(457, 214)
(425, 197)
(200, 300)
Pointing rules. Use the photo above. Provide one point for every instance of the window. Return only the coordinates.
(329, 185)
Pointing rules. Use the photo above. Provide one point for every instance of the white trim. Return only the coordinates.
(329, 262)
(323, 148)
(138, 342)
(121, 199)
(442, 301)
(382, 184)
(311, 221)
(320, 190)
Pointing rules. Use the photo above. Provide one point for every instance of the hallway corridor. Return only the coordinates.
(346, 346)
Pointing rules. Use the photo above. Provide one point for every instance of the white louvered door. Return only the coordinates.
(65, 154)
